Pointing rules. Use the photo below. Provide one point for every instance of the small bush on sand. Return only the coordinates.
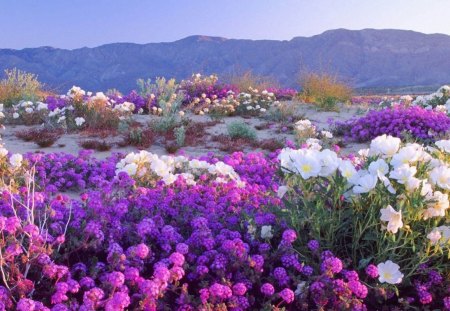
(43, 137)
(138, 137)
(241, 130)
(250, 80)
(325, 90)
(19, 85)
(95, 145)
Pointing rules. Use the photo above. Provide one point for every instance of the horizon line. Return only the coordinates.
(223, 38)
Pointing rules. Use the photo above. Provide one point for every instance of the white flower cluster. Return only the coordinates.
(76, 92)
(256, 101)
(439, 100)
(393, 163)
(27, 107)
(148, 166)
(125, 107)
(203, 104)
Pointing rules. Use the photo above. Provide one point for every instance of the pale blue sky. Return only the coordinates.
(79, 23)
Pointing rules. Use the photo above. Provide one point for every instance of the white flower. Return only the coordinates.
(389, 273)
(282, 191)
(379, 166)
(61, 119)
(385, 145)
(15, 115)
(79, 121)
(347, 170)
(393, 218)
(41, 106)
(130, 169)
(300, 288)
(426, 189)
(326, 134)
(406, 155)
(76, 91)
(403, 173)
(266, 232)
(16, 160)
(412, 184)
(1, 107)
(3, 152)
(364, 153)
(441, 176)
(329, 162)
(365, 183)
(303, 125)
(29, 110)
(314, 144)
(443, 145)
(169, 179)
(437, 205)
(181, 113)
(308, 166)
(434, 236)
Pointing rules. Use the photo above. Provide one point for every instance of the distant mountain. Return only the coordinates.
(366, 58)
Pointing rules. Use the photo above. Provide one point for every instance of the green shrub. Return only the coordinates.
(180, 135)
(241, 130)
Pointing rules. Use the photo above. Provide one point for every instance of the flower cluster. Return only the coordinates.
(398, 121)
(283, 93)
(148, 168)
(439, 100)
(255, 102)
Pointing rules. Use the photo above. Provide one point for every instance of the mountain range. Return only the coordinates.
(366, 58)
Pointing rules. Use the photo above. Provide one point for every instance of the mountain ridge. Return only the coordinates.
(365, 58)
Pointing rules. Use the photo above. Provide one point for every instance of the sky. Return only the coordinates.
(79, 23)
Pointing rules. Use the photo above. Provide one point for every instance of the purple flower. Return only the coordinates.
(239, 289)
(267, 289)
(287, 295)
(313, 245)
(372, 271)
(289, 236)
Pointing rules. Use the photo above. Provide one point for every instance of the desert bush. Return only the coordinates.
(283, 112)
(139, 137)
(238, 129)
(325, 90)
(43, 137)
(19, 85)
(93, 144)
(248, 80)
(180, 135)
(271, 144)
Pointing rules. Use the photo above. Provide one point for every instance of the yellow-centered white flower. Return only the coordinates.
(384, 145)
(440, 176)
(403, 173)
(393, 218)
(389, 272)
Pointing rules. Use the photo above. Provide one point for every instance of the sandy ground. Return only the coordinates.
(69, 143)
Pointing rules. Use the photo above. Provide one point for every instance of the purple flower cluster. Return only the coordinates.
(182, 247)
(397, 121)
(283, 93)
